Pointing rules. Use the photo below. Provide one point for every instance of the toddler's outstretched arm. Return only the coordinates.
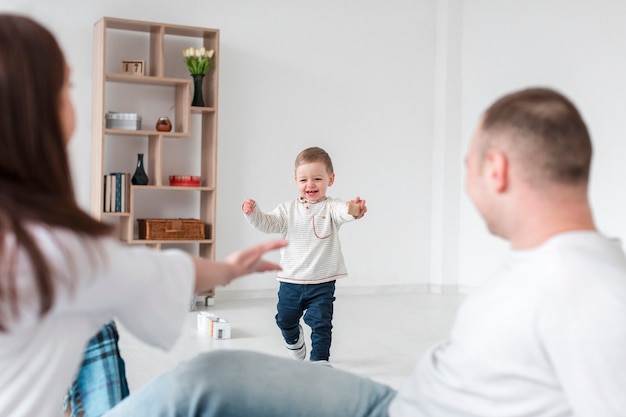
(248, 206)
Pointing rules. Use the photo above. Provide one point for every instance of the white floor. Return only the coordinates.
(377, 336)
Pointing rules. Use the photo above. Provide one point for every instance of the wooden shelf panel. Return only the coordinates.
(123, 132)
(145, 79)
(168, 242)
(149, 27)
(170, 188)
(195, 109)
(133, 25)
(190, 31)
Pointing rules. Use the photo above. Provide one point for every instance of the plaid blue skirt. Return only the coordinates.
(101, 381)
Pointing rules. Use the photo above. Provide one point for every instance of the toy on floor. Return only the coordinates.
(213, 325)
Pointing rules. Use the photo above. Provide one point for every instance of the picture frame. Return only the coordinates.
(136, 67)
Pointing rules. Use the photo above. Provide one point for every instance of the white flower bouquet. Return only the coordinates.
(199, 61)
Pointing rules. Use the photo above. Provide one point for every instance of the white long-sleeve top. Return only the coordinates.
(146, 291)
(314, 254)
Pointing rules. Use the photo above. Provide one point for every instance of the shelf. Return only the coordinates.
(168, 242)
(146, 79)
(123, 132)
(115, 214)
(165, 84)
(154, 27)
(195, 109)
(170, 188)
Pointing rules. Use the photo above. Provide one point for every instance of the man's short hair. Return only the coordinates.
(544, 132)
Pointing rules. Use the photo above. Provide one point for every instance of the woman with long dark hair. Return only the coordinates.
(62, 276)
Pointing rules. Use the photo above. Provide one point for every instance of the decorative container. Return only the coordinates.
(197, 101)
(185, 180)
(140, 177)
(172, 229)
(164, 124)
(122, 121)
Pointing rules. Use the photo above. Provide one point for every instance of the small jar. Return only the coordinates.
(163, 124)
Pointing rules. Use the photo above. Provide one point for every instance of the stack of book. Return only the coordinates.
(117, 192)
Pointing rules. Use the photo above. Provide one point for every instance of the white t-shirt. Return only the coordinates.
(545, 337)
(146, 290)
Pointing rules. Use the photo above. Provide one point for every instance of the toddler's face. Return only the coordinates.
(313, 180)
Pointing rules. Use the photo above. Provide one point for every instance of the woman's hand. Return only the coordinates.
(210, 274)
(250, 260)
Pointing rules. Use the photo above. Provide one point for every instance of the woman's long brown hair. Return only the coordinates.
(35, 178)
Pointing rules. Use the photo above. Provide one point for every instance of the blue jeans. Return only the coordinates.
(317, 300)
(226, 383)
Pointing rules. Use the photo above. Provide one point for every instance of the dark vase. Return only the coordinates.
(139, 177)
(197, 90)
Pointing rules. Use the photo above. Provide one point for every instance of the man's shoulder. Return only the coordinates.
(577, 261)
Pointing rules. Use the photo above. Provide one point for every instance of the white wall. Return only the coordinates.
(576, 46)
(355, 77)
(392, 90)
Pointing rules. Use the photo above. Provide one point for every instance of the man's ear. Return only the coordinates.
(331, 179)
(497, 164)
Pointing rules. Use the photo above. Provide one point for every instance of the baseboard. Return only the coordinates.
(465, 289)
(449, 289)
(245, 294)
(366, 290)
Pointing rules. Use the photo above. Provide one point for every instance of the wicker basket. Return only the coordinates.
(171, 229)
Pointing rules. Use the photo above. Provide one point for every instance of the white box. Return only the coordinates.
(205, 322)
(221, 329)
(122, 121)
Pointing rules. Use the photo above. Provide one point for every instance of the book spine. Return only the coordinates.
(107, 197)
(127, 199)
(113, 192)
(123, 194)
(104, 196)
(118, 192)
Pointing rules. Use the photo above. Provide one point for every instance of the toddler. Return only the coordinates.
(313, 259)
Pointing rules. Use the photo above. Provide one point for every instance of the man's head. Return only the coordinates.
(532, 140)
(545, 134)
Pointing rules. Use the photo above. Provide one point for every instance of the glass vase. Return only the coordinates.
(197, 101)
(140, 177)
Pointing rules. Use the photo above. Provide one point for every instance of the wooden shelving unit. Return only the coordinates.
(164, 89)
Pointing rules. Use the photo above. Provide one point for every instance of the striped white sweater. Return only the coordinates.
(313, 255)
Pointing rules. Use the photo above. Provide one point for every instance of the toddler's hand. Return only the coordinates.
(357, 208)
(248, 206)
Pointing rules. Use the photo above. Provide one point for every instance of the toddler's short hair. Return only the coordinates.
(315, 154)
